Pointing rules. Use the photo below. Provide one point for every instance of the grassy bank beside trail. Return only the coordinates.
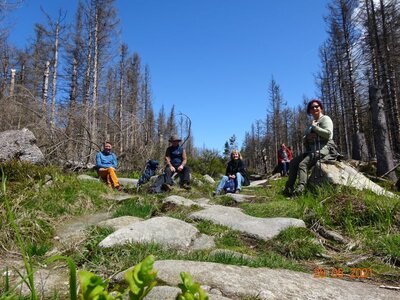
(44, 198)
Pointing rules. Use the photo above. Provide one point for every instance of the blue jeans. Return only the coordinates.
(285, 167)
(239, 180)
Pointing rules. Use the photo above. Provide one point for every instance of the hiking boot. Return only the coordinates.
(186, 186)
(287, 192)
(166, 187)
(237, 191)
(298, 191)
(119, 188)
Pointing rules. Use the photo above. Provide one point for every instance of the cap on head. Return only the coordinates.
(174, 138)
(310, 104)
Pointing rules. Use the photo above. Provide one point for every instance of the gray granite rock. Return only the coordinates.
(341, 173)
(240, 198)
(170, 232)
(73, 231)
(20, 145)
(120, 222)
(207, 178)
(238, 282)
(261, 228)
(260, 182)
(117, 197)
(127, 182)
(178, 200)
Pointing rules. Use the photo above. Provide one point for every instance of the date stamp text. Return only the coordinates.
(355, 273)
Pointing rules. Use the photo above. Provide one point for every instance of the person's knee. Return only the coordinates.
(303, 164)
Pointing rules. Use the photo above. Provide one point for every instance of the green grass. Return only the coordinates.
(388, 245)
(207, 227)
(135, 207)
(270, 209)
(297, 243)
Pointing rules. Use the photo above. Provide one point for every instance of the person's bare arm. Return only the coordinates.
(184, 160)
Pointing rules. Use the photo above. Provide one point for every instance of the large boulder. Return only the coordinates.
(20, 145)
(341, 173)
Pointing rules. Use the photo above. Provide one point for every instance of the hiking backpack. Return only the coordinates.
(230, 186)
(158, 185)
(149, 171)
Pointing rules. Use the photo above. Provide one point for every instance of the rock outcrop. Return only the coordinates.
(234, 218)
(167, 231)
(341, 173)
(19, 145)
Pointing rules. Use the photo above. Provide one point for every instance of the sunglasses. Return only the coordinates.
(315, 106)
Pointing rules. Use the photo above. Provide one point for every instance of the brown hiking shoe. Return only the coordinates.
(119, 188)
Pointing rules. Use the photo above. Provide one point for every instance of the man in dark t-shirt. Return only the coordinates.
(175, 157)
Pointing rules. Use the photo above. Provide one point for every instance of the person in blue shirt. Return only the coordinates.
(176, 159)
(106, 165)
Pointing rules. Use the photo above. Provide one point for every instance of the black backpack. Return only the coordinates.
(158, 186)
(149, 171)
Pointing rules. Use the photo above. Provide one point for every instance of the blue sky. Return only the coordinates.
(212, 59)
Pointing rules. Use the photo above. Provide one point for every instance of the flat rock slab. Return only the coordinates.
(179, 200)
(128, 182)
(260, 182)
(261, 228)
(120, 222)
(238, 282)
(240, 198)
(124, 181)
(182, 201)
(167, 231)
(202, 202)
(74, 229)
(117, 197)
(169, 293)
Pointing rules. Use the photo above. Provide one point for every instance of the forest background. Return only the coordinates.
(107, 94)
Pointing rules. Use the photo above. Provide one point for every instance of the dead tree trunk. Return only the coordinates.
(12, 83)
(54, 86)
(381, 134)
(45, 88)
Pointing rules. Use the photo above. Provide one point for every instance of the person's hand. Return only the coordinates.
(314, 123)
(172, 169)
(232, 176)
(180, 168)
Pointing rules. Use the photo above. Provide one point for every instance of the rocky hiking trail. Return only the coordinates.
(220, 281)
